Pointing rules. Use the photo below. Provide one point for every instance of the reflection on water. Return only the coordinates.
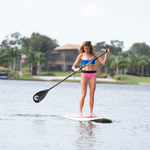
(86, 137)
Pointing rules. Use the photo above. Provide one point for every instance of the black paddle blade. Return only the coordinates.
(40, 95)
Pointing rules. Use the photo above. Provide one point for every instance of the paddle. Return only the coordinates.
(40, 95)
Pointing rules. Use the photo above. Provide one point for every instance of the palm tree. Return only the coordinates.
(40, 59)
(134, 59)
(3, 58)
(108, 63)
(115, 65)
(143, 63)
(119, 62)
(125, 63)
(30, 57)
(13, 53)
(148, 66)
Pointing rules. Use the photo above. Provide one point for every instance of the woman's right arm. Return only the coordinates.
(76, 62)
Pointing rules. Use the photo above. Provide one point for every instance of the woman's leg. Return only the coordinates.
(84, 82)
(92, 85)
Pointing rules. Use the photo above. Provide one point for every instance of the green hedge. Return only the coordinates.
(25, 72)
(46, 74)
(119, 77)
(104, 75)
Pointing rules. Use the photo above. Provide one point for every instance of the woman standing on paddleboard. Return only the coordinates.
(88, 73)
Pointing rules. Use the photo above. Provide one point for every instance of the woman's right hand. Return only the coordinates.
(77, 69)
(107, 51)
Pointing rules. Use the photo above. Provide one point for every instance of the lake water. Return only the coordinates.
(25, 125)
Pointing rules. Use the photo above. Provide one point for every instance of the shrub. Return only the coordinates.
(26, 73)
(103, 76)
(46, 74)
(24, 70)
(11, 74)
(115, 77)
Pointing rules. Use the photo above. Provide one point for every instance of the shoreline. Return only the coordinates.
(77, 79)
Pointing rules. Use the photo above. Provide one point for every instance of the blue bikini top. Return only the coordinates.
(84, 62)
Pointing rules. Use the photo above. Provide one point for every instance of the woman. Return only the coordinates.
(88, 73)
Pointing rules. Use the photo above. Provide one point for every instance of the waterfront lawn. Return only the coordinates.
(129, 79)
(28, 78)
(61, 73)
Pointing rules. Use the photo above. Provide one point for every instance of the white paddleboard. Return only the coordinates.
(84, 118)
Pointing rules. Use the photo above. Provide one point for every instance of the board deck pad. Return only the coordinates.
(84, 118)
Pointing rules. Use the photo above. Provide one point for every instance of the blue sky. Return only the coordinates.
(76, 21)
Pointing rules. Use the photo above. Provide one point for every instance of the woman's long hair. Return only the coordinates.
(87, 43)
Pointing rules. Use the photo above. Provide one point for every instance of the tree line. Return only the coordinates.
(34, 48)
(136, 60)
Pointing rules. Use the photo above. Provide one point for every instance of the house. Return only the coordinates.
(62, 58)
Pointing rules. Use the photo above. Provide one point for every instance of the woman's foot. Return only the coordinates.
(92, 115)
(80, 115)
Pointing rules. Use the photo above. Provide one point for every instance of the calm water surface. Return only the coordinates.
(25, 125)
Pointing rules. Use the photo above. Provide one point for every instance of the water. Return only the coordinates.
(27, 125)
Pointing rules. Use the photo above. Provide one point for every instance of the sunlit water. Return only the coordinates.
(25, 125)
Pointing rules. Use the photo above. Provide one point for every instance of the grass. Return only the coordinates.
(129, 79)
(28, 78)
(126, 79)
(62, 73)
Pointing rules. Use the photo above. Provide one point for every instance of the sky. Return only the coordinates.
(76, 21)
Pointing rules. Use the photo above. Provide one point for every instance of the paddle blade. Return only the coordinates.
(40, 96)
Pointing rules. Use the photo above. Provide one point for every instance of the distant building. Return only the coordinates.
(62, 58)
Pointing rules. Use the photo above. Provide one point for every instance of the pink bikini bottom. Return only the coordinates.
(89, 74)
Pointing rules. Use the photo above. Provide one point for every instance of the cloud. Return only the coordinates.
(91, 11)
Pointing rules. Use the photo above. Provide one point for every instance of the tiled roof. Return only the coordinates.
(68, 47)
(4, 69)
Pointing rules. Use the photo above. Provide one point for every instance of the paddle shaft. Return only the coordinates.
(76, 71)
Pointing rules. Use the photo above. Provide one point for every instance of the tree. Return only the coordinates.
(40, 59)
(120, 62)
(124, 63)
(134, 59)
(39, 43)
(148, 66)
(3, 58)
(115, 47)
(5, 44)
(15, 41)
(108, 63)
(140, 49)
(13, 53)
(115, 65)
(30, 57)
(142, 63)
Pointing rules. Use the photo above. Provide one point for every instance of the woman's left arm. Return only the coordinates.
(103, 62)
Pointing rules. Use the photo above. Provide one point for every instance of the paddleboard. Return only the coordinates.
(83, 118)
(87, 118)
